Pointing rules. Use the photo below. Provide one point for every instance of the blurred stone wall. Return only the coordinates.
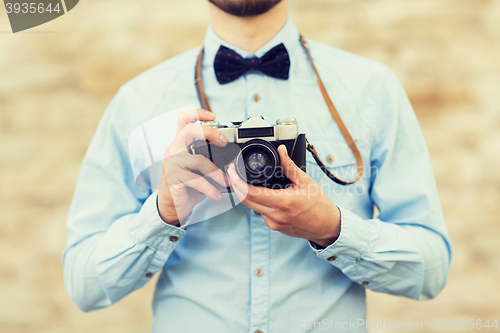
(57, 79)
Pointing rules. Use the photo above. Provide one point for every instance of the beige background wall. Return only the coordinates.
(57, 79)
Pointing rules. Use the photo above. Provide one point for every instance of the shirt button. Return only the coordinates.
(332, 258)
(148, 275)
(258, 331)
(329, 159)
(259, 272)
(174, 238)
(256, 97)
(365, 283)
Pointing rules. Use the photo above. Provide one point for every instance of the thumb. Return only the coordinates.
(290, 169)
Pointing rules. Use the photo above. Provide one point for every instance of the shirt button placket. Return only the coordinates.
(259, 274)
(255, 94)
(259, 232)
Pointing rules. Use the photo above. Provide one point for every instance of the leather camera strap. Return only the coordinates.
(343, 129)
(340, 124)
(199, 83)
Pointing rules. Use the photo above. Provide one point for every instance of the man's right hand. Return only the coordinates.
(183, 189)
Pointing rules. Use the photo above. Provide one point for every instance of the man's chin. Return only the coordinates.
(245, 8)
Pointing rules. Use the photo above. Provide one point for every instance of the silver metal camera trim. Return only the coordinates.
(287, 131)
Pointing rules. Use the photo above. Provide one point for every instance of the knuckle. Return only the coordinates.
(210, 131)
(216, 171)
(190, 127)
(185, 113)
(251, 196)
(199, 161)
(279, 218)
(273, 226)
(194, 114)
(195, 129)
(192, 183)
(243, 199)
(283, 205)
(284, 219)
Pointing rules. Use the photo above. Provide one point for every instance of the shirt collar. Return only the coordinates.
(288, 35)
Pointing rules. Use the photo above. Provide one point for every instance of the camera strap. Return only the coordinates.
(343, 129)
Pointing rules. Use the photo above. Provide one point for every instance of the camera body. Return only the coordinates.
(252, 147)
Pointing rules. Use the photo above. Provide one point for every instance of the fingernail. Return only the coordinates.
(218, 195)
(208, 113)
(222, 138)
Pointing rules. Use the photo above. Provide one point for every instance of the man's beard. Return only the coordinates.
(245, 8)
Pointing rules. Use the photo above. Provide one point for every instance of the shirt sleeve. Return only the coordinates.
(116, 238)
(406, 250)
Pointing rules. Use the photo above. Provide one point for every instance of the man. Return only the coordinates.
(283, 258)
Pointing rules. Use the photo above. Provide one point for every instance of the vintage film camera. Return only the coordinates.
(252, 147)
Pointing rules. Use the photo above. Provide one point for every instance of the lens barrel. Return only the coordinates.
(257, 161)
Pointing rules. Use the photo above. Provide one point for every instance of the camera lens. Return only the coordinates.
(256, 162)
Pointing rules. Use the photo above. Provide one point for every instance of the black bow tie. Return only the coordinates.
(229, 65)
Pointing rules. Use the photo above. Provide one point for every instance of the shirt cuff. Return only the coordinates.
(351, 243)
(151, 230)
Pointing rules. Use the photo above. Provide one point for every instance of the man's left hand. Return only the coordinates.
(302, 210)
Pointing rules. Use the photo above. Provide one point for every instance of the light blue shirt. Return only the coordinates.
(208, 280)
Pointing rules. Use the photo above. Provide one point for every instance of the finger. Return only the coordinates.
(257, 194)
(202, 164)
(271, 224)
(239, 186)
(291, 170)
(193, 116)
(200, 184)
(192, 132)
(259, 208)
